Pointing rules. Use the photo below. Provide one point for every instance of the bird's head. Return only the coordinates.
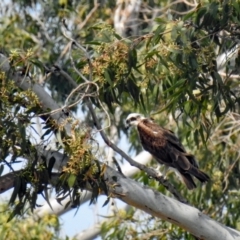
(133, 119)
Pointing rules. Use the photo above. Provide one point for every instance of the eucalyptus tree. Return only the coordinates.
(183, 72)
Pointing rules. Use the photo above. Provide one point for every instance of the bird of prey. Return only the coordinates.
(166, 148)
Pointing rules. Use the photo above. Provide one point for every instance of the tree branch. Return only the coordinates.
(166, 208)
(7, 181)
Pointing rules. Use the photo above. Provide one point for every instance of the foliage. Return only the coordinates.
(46, 228)
(16, 114)
(17, 111)
(82, 168)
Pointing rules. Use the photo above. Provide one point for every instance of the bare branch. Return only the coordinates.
(166, 208)
(82, 24)
(7, 181)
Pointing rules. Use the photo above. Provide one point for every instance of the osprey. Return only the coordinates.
(166, 148)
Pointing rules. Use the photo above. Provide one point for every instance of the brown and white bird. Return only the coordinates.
(166, 148)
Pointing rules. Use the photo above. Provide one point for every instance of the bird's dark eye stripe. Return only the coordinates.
(131, 120)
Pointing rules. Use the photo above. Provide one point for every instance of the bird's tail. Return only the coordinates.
(200, 175)
(194, 170)
(188, 181)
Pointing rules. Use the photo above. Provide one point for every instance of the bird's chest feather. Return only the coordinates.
(156, 143)
(152, 140)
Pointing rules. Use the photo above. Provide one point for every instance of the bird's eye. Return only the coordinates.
(133, 119)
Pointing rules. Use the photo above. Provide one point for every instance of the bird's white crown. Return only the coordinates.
(133, 119)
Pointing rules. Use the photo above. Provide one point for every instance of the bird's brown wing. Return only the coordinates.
(175, 142)
(171, 138)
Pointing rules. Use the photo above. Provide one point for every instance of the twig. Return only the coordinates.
(164, 9)
(66, 75)
(85, 94)
(96, 5)
(117, 165)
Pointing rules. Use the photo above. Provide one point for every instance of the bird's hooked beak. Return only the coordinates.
(127, 125)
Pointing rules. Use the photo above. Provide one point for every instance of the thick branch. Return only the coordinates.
(166, 208)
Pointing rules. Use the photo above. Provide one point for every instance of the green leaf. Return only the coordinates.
(187, 106)
(177, 84)
(158, 33)
(37, 63)
(106, 202)
(201, 12)
(163, 61)
(117, 36)
(132, 58)
(196, 137)
(108, 78)
(1, 169)
(189, 15)
(193, 61)
(160, 20)
(93, 43)
(17, 188)
(202, 135)
(71, 180)
(218, 78)
(46, 133)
